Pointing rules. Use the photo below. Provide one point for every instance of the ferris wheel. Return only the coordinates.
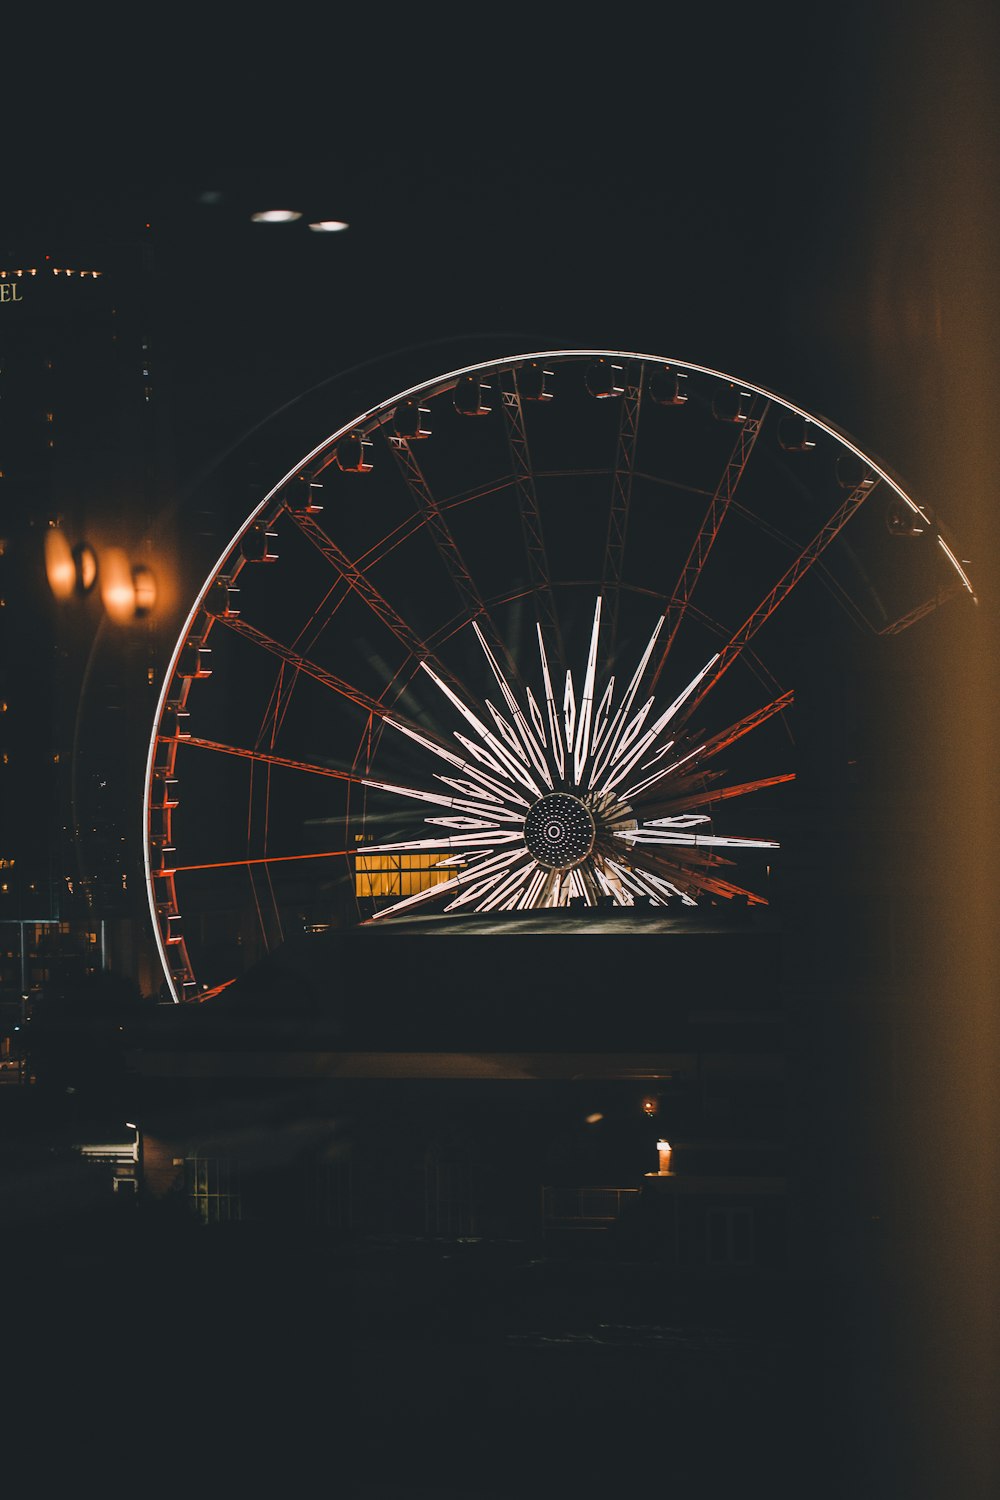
(524, 636)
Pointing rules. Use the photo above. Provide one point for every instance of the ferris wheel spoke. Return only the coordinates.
(722, 499)
(610, 738)
(621, 495)
(498, 813)
(665, 831)
(707, 796)
(691, 874)
(357, 578)
(503, 757)
(261, 757)
(646, 883)
(262, 859)
(432, 513)
(709, 748)
(531, 518)
(630, 757)
(809, 555)
(344, 689)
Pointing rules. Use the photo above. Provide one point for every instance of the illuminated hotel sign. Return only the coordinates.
(10, 291)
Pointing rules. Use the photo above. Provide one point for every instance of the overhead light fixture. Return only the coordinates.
(276, 216)
(329, 226)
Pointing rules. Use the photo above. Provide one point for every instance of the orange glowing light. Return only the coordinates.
(117, 588)
(144, 586)
(60, 569)
(85, 564)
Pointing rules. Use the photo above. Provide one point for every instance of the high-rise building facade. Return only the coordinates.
(83, 445)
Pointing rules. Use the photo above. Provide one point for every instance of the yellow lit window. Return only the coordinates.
(397, 874)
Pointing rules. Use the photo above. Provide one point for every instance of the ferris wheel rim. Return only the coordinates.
(375, 416)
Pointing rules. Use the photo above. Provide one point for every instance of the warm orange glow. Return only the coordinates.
(144, 585)
(117, 588)
(85, 563)
(60, 569)
(397, 874)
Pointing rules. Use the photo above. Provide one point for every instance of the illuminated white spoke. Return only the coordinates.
(518, 745)
(460, 822)
(428, 744)
(536, 717)
(511, 739)
(504, 788)
(643, 883)
(677, 820)
(675, 765)
(632, 731)
(569, 710)
(454, 841)
(483, 878)
(630, 762)
(469, 788)
(649, 738)
(602, 717)
(691, 840)
(550, 705)
(532, 746)
(625, 707)
(530, 896)
(480, 754)
(469, 859)
(515, 767)
(416, 898)
(441, 801)
(581, 747)
(507, 886)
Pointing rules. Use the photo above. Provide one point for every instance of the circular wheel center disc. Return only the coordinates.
(559, 831)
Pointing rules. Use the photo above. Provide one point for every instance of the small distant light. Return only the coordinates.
(593, 1119)
(329, 226)
(275, 216)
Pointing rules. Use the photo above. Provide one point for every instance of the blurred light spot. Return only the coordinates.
(593, 1119)
(117, 588)
(329, 226)
(144, 586)
(85, 565)
(275, 216)
(60, 569)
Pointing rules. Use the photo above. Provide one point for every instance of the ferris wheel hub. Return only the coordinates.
(559, 831)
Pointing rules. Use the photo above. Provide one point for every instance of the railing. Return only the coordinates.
(584, 1207)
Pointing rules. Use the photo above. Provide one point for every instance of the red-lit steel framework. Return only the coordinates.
(543, 557)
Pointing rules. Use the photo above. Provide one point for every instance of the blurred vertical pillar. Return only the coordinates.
(931, 292)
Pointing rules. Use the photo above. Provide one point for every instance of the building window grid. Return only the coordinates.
(213, 1189)
(397, 875)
